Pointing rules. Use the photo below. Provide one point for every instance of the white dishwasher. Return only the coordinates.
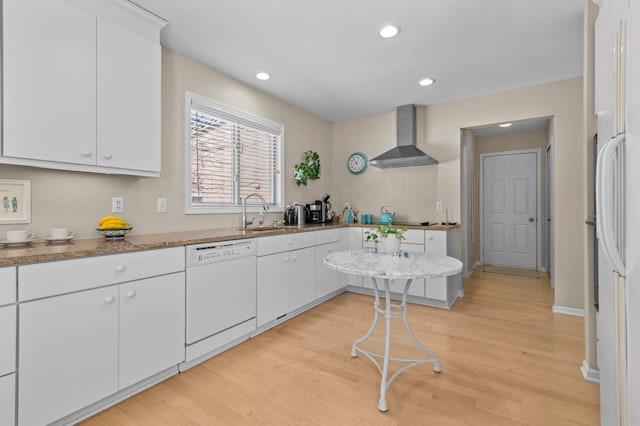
(221, 297)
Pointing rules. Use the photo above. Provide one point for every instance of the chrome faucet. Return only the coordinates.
(246, 222)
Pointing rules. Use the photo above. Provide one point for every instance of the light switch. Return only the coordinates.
(162, 205)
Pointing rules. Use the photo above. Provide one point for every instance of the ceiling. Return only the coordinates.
(326, 57)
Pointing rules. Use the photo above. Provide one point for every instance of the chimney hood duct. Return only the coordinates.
(405, 154)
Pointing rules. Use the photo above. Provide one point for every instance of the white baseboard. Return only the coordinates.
(468, 273)
(567, 311)
(590, 374)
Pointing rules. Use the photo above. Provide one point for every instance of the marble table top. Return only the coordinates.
(378, 265)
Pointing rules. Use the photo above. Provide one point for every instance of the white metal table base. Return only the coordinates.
(389, 311)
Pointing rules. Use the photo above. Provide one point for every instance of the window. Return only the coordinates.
(230, 154)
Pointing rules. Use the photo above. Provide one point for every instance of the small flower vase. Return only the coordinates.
(390, 244)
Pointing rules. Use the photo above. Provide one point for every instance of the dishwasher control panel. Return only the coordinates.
(220, 251)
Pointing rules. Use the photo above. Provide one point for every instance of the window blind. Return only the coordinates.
(232, 154)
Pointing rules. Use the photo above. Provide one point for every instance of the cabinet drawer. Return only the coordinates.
(435, 242)
(48, 279)
(280, 243)
(7, 285)
(327, 236)
(414, 236)
(7, 340)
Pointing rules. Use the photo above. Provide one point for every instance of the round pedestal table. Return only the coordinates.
(383, 268)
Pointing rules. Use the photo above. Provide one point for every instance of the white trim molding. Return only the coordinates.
(590, 374)
(565, 310)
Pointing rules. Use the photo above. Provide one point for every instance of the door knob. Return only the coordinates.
(531, 219)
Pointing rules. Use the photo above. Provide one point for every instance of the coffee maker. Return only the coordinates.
(317, 212)
(320, 211)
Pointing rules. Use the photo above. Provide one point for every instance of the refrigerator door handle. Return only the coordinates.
(606, 206)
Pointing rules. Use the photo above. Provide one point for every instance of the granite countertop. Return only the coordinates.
(43, 251)
(378, 265)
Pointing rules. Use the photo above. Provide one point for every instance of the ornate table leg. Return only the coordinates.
(388, 313)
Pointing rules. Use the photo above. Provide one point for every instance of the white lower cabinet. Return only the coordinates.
(286, 266)
(77, 348)
(301, 278)
(151, 327)
(273, 287)
(328, 241)
(8, 332)
(8, 400)
(68, 354)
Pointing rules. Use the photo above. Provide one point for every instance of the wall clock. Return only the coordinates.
(357, 163)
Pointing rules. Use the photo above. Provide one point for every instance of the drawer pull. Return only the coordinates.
(294, 258)
(286, 258)
(109, 299)
(290, 242)
(121, 268)
(108, 156)
(131, 294)
(87, 154)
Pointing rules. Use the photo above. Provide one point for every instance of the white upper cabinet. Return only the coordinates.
(81, 86)
(128, 99)
(49, 81)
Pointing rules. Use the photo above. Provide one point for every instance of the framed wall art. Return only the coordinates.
(15, 201)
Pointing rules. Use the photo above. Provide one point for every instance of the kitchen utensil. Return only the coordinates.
(386, 215)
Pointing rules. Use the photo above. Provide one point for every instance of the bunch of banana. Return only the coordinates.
(112, 222)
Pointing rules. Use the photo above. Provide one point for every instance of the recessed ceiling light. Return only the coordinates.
(505, 124)
(263, 76)
(426, 82)
(389, 31)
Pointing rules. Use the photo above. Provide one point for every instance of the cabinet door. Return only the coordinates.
(49, 81)
(7, 340)
(355, 236)
(68, 354)
(128, 74)
(436, 242)
(273, 287)
(302, 278)
(152, 327)
(327, 280)
(8, 400)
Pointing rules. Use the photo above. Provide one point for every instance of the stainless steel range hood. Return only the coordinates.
(405, 154)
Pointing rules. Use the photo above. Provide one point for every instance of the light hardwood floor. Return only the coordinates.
(506, 360)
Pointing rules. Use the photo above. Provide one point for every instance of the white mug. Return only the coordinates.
(21, 235)
(61, 233)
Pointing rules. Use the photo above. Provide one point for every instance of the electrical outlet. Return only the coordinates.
(117, 205)
(162, 205)
(438, 206)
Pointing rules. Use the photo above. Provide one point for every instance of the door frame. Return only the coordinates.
(537, 152)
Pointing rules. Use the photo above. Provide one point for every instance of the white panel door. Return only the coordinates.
(49, 81)
(510, 210)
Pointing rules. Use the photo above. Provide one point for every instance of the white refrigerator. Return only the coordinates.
(617, 97)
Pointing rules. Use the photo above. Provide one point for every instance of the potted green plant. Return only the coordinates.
(386, 237)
